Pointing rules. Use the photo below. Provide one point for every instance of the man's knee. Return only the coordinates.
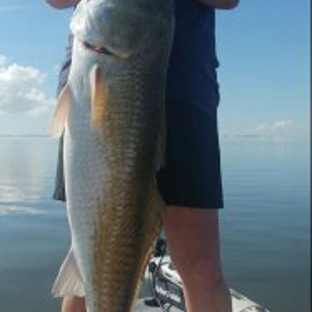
(203, 271)
(193, 238)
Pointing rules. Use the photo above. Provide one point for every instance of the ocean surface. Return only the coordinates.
(265, 225)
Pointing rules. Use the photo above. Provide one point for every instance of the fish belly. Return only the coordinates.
(112, 202)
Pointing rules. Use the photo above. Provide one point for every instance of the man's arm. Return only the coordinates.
(218, 4)
(62, 4)
(221, 4)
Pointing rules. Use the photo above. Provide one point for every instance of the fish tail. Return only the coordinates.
(68, 280)
(61, 111)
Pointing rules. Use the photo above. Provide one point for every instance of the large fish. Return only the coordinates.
(112, 111)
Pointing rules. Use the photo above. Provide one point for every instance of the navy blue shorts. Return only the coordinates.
(192, 174)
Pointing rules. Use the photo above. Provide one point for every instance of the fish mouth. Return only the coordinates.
(98, 49)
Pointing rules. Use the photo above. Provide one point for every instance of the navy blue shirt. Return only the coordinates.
(193, 62)
(192, 66)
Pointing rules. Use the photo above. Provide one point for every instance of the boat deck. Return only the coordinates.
(147, 305)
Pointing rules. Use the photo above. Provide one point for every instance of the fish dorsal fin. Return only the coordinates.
(98, 96)
(61, 111)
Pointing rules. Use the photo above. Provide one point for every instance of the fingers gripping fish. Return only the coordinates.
(111, 112)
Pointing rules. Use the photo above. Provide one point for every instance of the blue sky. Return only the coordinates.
(264, 76)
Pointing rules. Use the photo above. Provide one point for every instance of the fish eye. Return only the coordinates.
(101, 49)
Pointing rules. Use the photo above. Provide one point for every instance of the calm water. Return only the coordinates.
(265, 226)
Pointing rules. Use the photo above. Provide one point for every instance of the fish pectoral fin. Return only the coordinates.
(61, 111)
(98, 96)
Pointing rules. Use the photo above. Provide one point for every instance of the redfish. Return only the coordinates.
(112, 114)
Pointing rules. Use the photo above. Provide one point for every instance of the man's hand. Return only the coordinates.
(62, 4)
(221, 4)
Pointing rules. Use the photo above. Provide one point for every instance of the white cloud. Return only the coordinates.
(281, 128)
(282, 124)
(275, 126)
(21, 88)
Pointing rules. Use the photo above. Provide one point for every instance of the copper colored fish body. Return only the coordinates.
(112, 111)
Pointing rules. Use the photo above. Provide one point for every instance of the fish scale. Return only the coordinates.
(114, 209)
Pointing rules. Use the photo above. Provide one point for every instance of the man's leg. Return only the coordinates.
(193, 238)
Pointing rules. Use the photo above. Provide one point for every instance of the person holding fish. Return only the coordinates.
(190, 181)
